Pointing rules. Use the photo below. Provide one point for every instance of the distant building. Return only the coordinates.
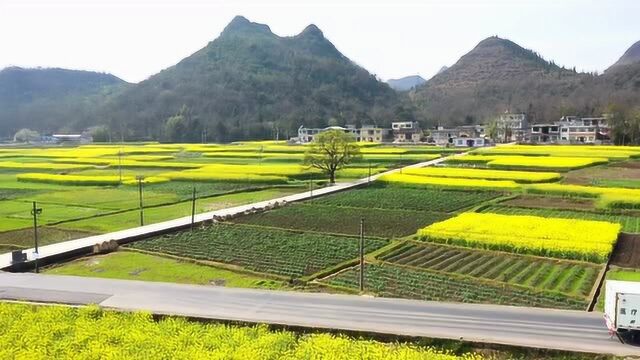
(368, 133)
(406, 132)
(572, 130)
(84, 138)
(470, 142)
(443, 137)
(583, 130)
(544, 133)
(375, 134)
(512, 127)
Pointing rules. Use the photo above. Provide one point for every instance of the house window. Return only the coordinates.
(565, 129)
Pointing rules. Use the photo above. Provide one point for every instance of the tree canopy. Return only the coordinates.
(331, 151)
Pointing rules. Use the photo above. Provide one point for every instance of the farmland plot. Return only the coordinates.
(396, 281)
(554, 237)
(630, 224)
(574, 279)
(395, 197)
(280, 252)
(344, 220)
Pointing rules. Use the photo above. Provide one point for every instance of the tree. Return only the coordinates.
(26, 135)
(100, 133)
(331, 151)
(492, 130)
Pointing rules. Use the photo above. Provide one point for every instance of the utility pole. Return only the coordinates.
(369, 179)
(193, 207)
(35, 211)
(310, 187)
(140, 179)
(361, 254)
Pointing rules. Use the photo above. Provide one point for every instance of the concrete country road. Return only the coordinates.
(124, 236)
(532, 327)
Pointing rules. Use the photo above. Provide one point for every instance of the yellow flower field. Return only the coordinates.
(562, 238)
(609, 152)
(208, 176)
(608, 197)
(559, 163)
(60, 332)
(471, 184)
(41, 166)
(467, 173)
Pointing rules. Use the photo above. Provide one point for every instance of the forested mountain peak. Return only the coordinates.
(249, 83)
(240, 24)
(51, 99)
(630, 57)
(497, 75)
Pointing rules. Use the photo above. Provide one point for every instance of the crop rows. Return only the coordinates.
(392, 197)
(345, 220)
(395, 281)
(630, 224)
(573, 278)
(274, 251)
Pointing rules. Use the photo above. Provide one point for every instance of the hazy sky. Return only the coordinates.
(134, 39)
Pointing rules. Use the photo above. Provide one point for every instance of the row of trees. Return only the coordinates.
(625, 125)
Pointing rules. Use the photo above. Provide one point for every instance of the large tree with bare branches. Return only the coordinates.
(331, 151)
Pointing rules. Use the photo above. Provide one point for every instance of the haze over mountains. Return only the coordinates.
(250, 83)
(406, 83)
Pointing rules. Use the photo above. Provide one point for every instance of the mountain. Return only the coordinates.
(250, 83)
(50, 99)
(442, 69)
(630, 57)
(499, 75)
(406, 83)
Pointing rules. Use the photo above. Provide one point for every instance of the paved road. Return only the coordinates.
(556, 329)
(122, 236)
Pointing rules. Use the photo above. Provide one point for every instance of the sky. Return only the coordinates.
(134, 39)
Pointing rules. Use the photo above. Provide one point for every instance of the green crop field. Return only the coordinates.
(397, 281)
(131, 218)
(281, 252)
(395, 197)
(574, 279)
(630, 224)
(344, 220)
(23, 238)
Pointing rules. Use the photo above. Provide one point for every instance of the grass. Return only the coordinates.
(280, 252)
(622, 183)
(344, 220)
(131, 265)
(616, 273)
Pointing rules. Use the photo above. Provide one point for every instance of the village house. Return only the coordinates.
(406, 132)
(467, 136)
(367, 133)
(512, 127)
(572, 130)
